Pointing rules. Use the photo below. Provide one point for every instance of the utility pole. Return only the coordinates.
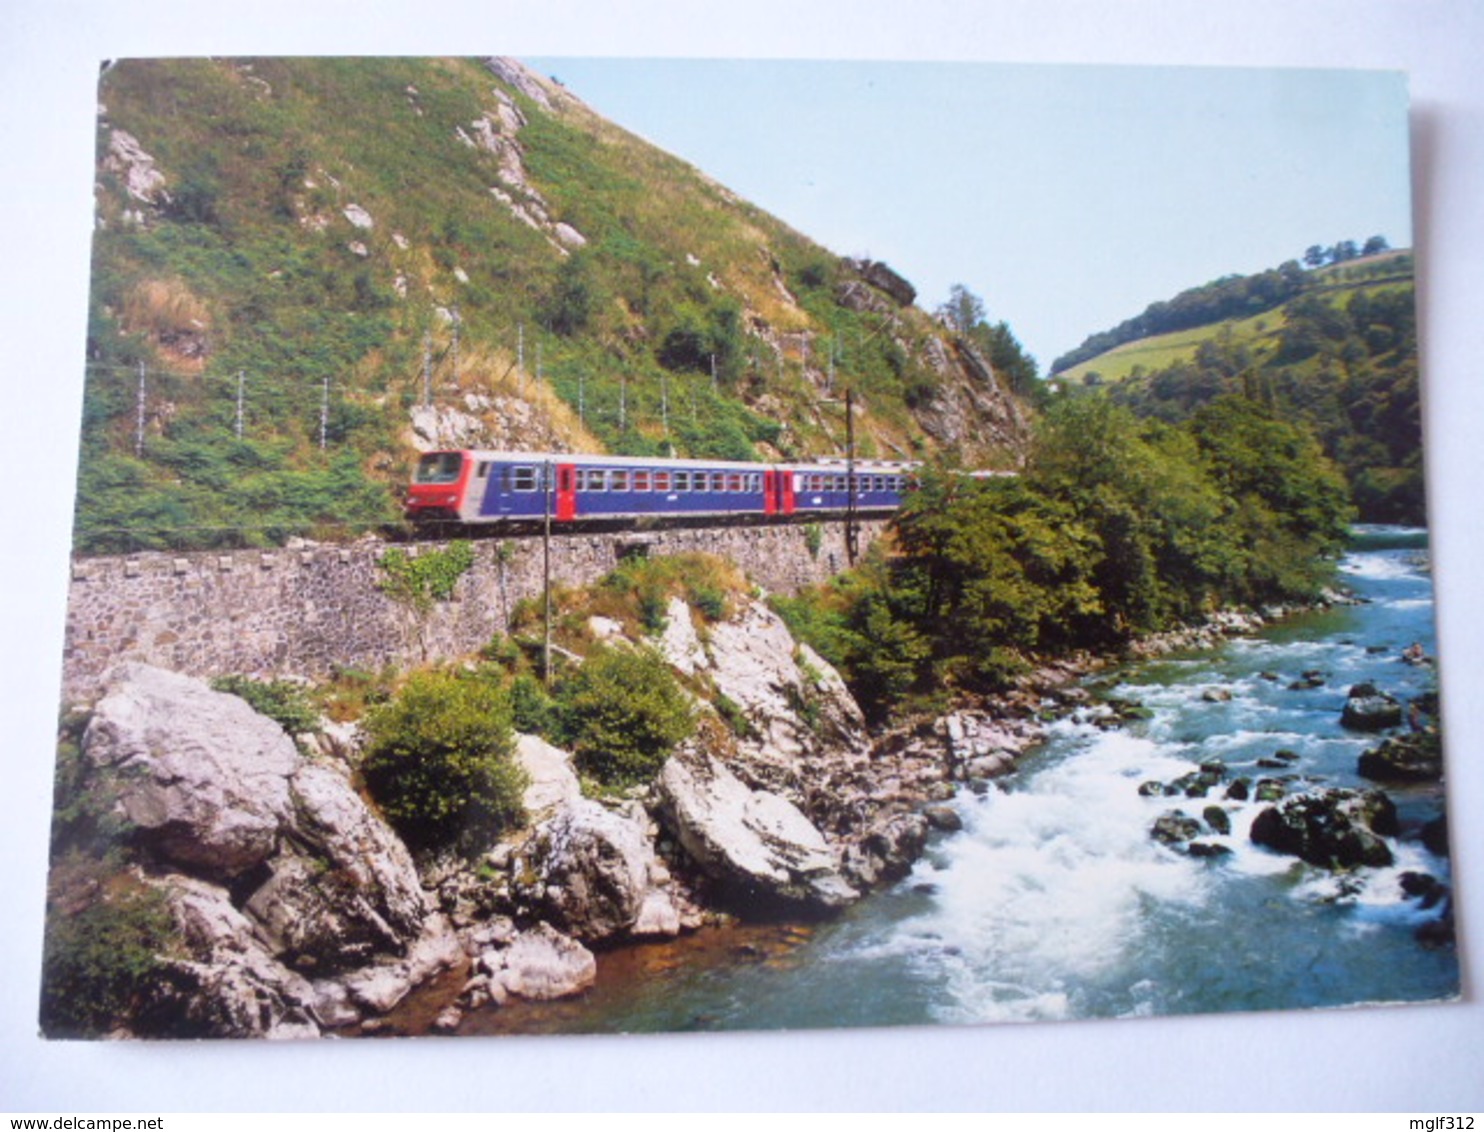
(428, 368)
(456, 343)
(520, 355)
(665, 405)
(546, 573)
(139, 431)
(623, 403)
(852, 534)
(324, 412)
(241, 378)
(582, 398)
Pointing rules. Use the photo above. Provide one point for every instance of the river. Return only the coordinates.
(1054, 902)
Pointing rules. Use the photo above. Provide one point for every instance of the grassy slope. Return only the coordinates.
(686, 307)
(1259, 333)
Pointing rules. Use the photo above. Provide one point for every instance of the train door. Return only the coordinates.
(786, 491)
(770, 488)
(566, 493)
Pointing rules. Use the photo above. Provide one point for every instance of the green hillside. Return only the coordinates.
(1339, 352)
(306, 270)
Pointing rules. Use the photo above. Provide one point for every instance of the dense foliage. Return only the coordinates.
(1339, 352)
(621, 713)
(1120, 527)
(439, 762)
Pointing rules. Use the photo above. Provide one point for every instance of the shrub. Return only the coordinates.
(97, 962)
(621, 714)
(439, 763)
(282, 701)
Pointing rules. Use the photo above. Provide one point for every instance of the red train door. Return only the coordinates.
(785, 491)
(566, 493)
(770, 499)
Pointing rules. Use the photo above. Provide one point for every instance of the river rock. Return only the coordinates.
(755, 842)
(1336, 829)
(202, 778)
(382, 985)
(1174, 828)
(944, 818)
(1369, 709)
(587, 870)
(540, 964)
(887, 849)
(1404, 758)
(1216, 818)
(1435, 835)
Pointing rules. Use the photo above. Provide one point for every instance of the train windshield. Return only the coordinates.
(439, 467)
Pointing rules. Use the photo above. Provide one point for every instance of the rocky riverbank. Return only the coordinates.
(297, 912)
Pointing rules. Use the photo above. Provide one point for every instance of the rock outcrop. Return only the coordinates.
(274, 869)
(759, 846)
(591, 872)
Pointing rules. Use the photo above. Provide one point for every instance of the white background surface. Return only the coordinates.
(1423, 1059)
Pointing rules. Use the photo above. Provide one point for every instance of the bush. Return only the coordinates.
(282, 701)
(621, 714)
(97, 962)
(439, 763)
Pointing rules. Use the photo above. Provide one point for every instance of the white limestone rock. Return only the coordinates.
(553, 782)
(756, 842)
(587, 870)
(540, 964)
(202, 777)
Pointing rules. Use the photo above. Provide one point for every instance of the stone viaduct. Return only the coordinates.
(309, 608)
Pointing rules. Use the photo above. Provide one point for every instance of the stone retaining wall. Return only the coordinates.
(311, 607)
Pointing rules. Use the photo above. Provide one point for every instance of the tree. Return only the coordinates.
(963, 311)
(1375, 246)
(1316, 256)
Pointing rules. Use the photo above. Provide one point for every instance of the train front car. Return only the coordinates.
(439, 488)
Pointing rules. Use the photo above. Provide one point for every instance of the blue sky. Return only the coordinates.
(1068, 198)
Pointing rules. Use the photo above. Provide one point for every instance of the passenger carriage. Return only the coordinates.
(519, 488)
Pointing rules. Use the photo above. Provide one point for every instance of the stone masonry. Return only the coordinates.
(311, 607)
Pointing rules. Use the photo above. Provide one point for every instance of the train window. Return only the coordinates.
(483, 470)
(718, 481)
(682, 481)
(754, 481)
(594, 479)
(662, 481)
(734, 482)
(641, 481)
(439, 467)
(523, 478)
(618, 480)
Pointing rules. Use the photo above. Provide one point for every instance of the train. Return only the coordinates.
(521, 489)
